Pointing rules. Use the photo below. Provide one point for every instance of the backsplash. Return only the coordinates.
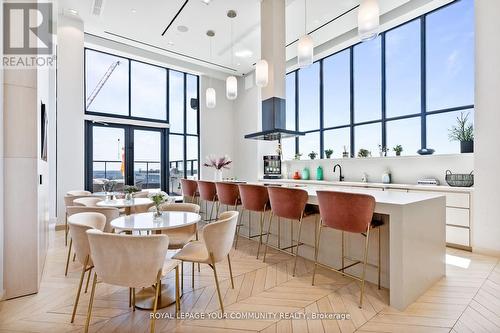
(404, 169)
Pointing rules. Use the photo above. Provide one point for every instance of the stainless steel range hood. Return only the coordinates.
(272, 45)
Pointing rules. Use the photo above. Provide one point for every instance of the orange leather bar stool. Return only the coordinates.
(287, 203)
(254, 198)
(190, 190)
(208, 192)
(348, 212)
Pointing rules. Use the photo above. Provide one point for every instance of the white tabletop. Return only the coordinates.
(106, 194)
(147, 221)
(122, 203)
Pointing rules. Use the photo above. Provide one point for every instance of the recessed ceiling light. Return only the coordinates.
(72, 11)
(238, 64)
(133, 10)
(206, 2)
(243, 53)
(182, 28)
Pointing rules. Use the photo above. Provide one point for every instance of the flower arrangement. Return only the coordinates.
(218, 163)
(158, 198)
(108, 185)
(130, 190)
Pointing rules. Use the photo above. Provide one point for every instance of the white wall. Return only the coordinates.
(1, 169)
(70, 123)
(486, 230)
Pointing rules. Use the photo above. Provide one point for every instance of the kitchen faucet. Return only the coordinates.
(341, 178)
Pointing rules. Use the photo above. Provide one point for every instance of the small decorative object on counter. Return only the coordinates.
(425, 151)
(428, 181)
(158, 198)
(463, 132)
(218, 164)
(459, 179)
(364, 153)
(312, 155)
(328, 153)
(345, 154)
(296, 175)
(305, 174)
(319, 173)
(382, 151)
(364, 178)
(297, 156)
(398, 149)
(386, 177)
(129, 191)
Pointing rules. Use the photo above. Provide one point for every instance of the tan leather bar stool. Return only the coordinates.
(208, 192)
(348, 212)
(288, 203)
(229, 195)
(254, 198)
(190, 190)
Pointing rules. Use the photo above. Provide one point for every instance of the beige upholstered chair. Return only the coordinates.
(78, 193)
(68, 201)
(110, 213)
(78, 225)
(141, 194)
(179, 237)
(131, 261)
(217, 242)
(87, 201)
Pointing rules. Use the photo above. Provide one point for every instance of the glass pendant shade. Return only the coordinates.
(210, 98)
(305, 49)
(231, 88)
(261, 73)
(368, 19)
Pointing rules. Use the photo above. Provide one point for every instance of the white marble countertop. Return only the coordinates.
(443, 188)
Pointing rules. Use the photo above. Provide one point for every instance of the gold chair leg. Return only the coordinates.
(197, 239)
(82, 276)
(74, 256)
(379, 265)
(192, 275)
(291, 237)
(297, 248)
(129, 297)
(91, 302)
(211, 210)
(279, 232)
(182, 275)
(261, 222)
(69, 256)
(230, 271)
(249, 224)
(66, 231)
(364, 268)
(155, 304)
(316, 252)
(217, 283)
(177, 293)
(88, 279)
(267, 236)
(133, 299)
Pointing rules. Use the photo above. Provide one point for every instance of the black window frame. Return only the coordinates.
(424, 111)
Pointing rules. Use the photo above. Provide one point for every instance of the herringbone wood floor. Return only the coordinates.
(466, 300)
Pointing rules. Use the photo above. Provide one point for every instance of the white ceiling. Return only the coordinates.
(141, 23)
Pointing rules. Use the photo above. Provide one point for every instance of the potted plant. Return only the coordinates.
(398, 149)
(129, 191)
(218, 164)
(463, 131)
(297, 156)
(312, 155)
(382, 150)
(158, 198)
(328, 153)
(345, 154)
(364, 153)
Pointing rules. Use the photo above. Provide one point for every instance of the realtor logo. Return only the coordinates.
(27, 28)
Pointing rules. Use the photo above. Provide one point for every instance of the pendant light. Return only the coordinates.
(210, 96)
(305, 46)
(261, 73)
(368, 19)
(231, 81)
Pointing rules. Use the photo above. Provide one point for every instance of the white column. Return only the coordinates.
(70, 113)
(486, 223)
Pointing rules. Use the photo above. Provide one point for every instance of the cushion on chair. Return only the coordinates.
(168, 266)
(193, 251)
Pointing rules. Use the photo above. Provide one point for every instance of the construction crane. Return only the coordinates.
(101, 83)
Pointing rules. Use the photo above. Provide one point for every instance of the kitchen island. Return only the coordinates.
(413, 241)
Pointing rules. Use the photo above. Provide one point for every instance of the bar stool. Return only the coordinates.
(228, 194)
(190, 189)
(208, 192)
(288, 203)
(254, 198)
(348, 212)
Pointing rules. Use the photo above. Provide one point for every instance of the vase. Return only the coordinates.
(157, 212)
(218, 175)
(128, 196)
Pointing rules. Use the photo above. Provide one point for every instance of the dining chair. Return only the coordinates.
(254, 198)
(69, 197)
(353, 213)
(141, 194)
(110, 213)
(288, 203)
(131, 261)
(180, 236)
(78, 193)
(216, 243)
(78, 225)
(87, 201)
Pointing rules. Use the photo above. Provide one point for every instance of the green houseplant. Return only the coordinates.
(312, 155)
(398, 149)
(463, 131)
(328, 153)
(364, 153)
(297, 156)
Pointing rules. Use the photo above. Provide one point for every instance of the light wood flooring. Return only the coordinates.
(466, 300)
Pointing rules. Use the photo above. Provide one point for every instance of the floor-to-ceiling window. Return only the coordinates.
(406, 87)
(150, 137)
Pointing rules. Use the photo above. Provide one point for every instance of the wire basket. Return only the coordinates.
(459, 179)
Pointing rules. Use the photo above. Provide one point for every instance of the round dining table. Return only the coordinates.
(144, 299)
(127, 204)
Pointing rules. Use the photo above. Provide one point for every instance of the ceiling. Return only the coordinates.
(141, 23)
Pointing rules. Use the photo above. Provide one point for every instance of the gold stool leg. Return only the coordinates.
(249, 224)
(192, 275)
(297, 248)
(182, 275)
(133, 299)
(238, 226)
(91, 302)
(260, 232)
(177, 293)
(66, 231)
(343, 255)
(82, 276)
(217, 283)
(379, 266)
(364, 268)
(69, 255)
(267, 236)
(316, 254)
(230, 271)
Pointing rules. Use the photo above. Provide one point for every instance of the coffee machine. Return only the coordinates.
(272, 167)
